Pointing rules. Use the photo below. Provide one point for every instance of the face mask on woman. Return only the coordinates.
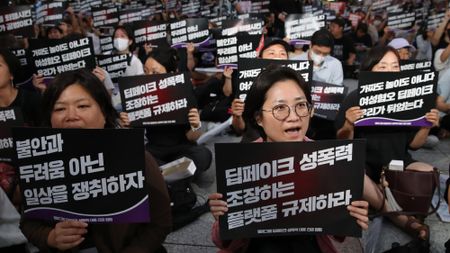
(316, 58)
(121, 44)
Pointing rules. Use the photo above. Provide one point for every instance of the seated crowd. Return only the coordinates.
(89, 99)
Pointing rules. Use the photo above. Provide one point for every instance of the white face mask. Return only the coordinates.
(376, 22)
(316, 58)
(121, 44)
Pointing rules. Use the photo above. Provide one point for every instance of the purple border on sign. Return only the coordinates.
(200, 44)
(299, 42)
(137, 214)
(231, 65)
(378, 121)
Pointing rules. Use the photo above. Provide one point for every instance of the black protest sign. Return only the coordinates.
(146, 13)
(81, 174)
(172, 5)
(87, 5)
(394, 9)
(23, 56)
(52, 57)
(157, 99)
(114, 64)
(9, 117)
(193, 30)
(434, 20)
(128, 16)
(231, 48)
(414, 65)
(105, 17)
(218, 20)
(250, 25)
(380, 5)
(106, 44)
(396, 98)
(329, 14)
(16, 20)
(327, 99)
(254, 16)
(289, 188)
(191, 8)
(260, 6)
(248, 69)
(50, 13)
(403, 21)
(153, 32)
(303, 26)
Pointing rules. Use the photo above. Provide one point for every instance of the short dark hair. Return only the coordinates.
(375, 55)
(322, 38)
(362, 27)
(51, 28)
(12, 61)
(338, 21)
(166, 56)
(268, 42)
(262, 83)
(90, 83)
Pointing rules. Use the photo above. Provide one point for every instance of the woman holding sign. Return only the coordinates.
(78, 99)
(11, 238)
(123, 41)
(385, 143)
(279, 106)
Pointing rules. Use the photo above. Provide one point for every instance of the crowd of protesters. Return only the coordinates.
(338, 51)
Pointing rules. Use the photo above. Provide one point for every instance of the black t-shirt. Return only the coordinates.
(383, 143)
(366, 40)
(30, 104)
(167, 135)
(342, 48)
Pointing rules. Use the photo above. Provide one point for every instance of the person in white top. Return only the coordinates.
(123, 41)
(326, 68)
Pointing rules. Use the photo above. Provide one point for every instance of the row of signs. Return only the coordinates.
(290, 191)
(54, 57)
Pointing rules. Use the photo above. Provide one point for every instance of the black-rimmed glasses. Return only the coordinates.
(282, 111)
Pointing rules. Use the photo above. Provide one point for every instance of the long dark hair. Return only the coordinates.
(90, 83)
(263, 82)
(375, 55)
(12, 61)
(166, 56)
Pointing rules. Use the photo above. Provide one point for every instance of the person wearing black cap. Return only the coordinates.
(343, 48)
(326, 68)
(275, 49)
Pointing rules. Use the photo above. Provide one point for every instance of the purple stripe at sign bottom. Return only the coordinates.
(136, 214)
(420, 122)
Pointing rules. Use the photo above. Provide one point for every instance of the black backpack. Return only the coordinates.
(182, 201)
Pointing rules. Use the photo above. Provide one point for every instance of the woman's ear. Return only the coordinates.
(311, 114)
(258, 119)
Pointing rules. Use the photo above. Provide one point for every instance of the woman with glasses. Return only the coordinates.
(279, 106)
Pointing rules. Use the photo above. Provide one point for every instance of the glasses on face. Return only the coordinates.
(282, 111)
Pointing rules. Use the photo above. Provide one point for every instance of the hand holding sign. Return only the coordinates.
(194, 118)
(433, 118)
(360, 210)
(67, 234)
(353, 114)
(217, 206)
